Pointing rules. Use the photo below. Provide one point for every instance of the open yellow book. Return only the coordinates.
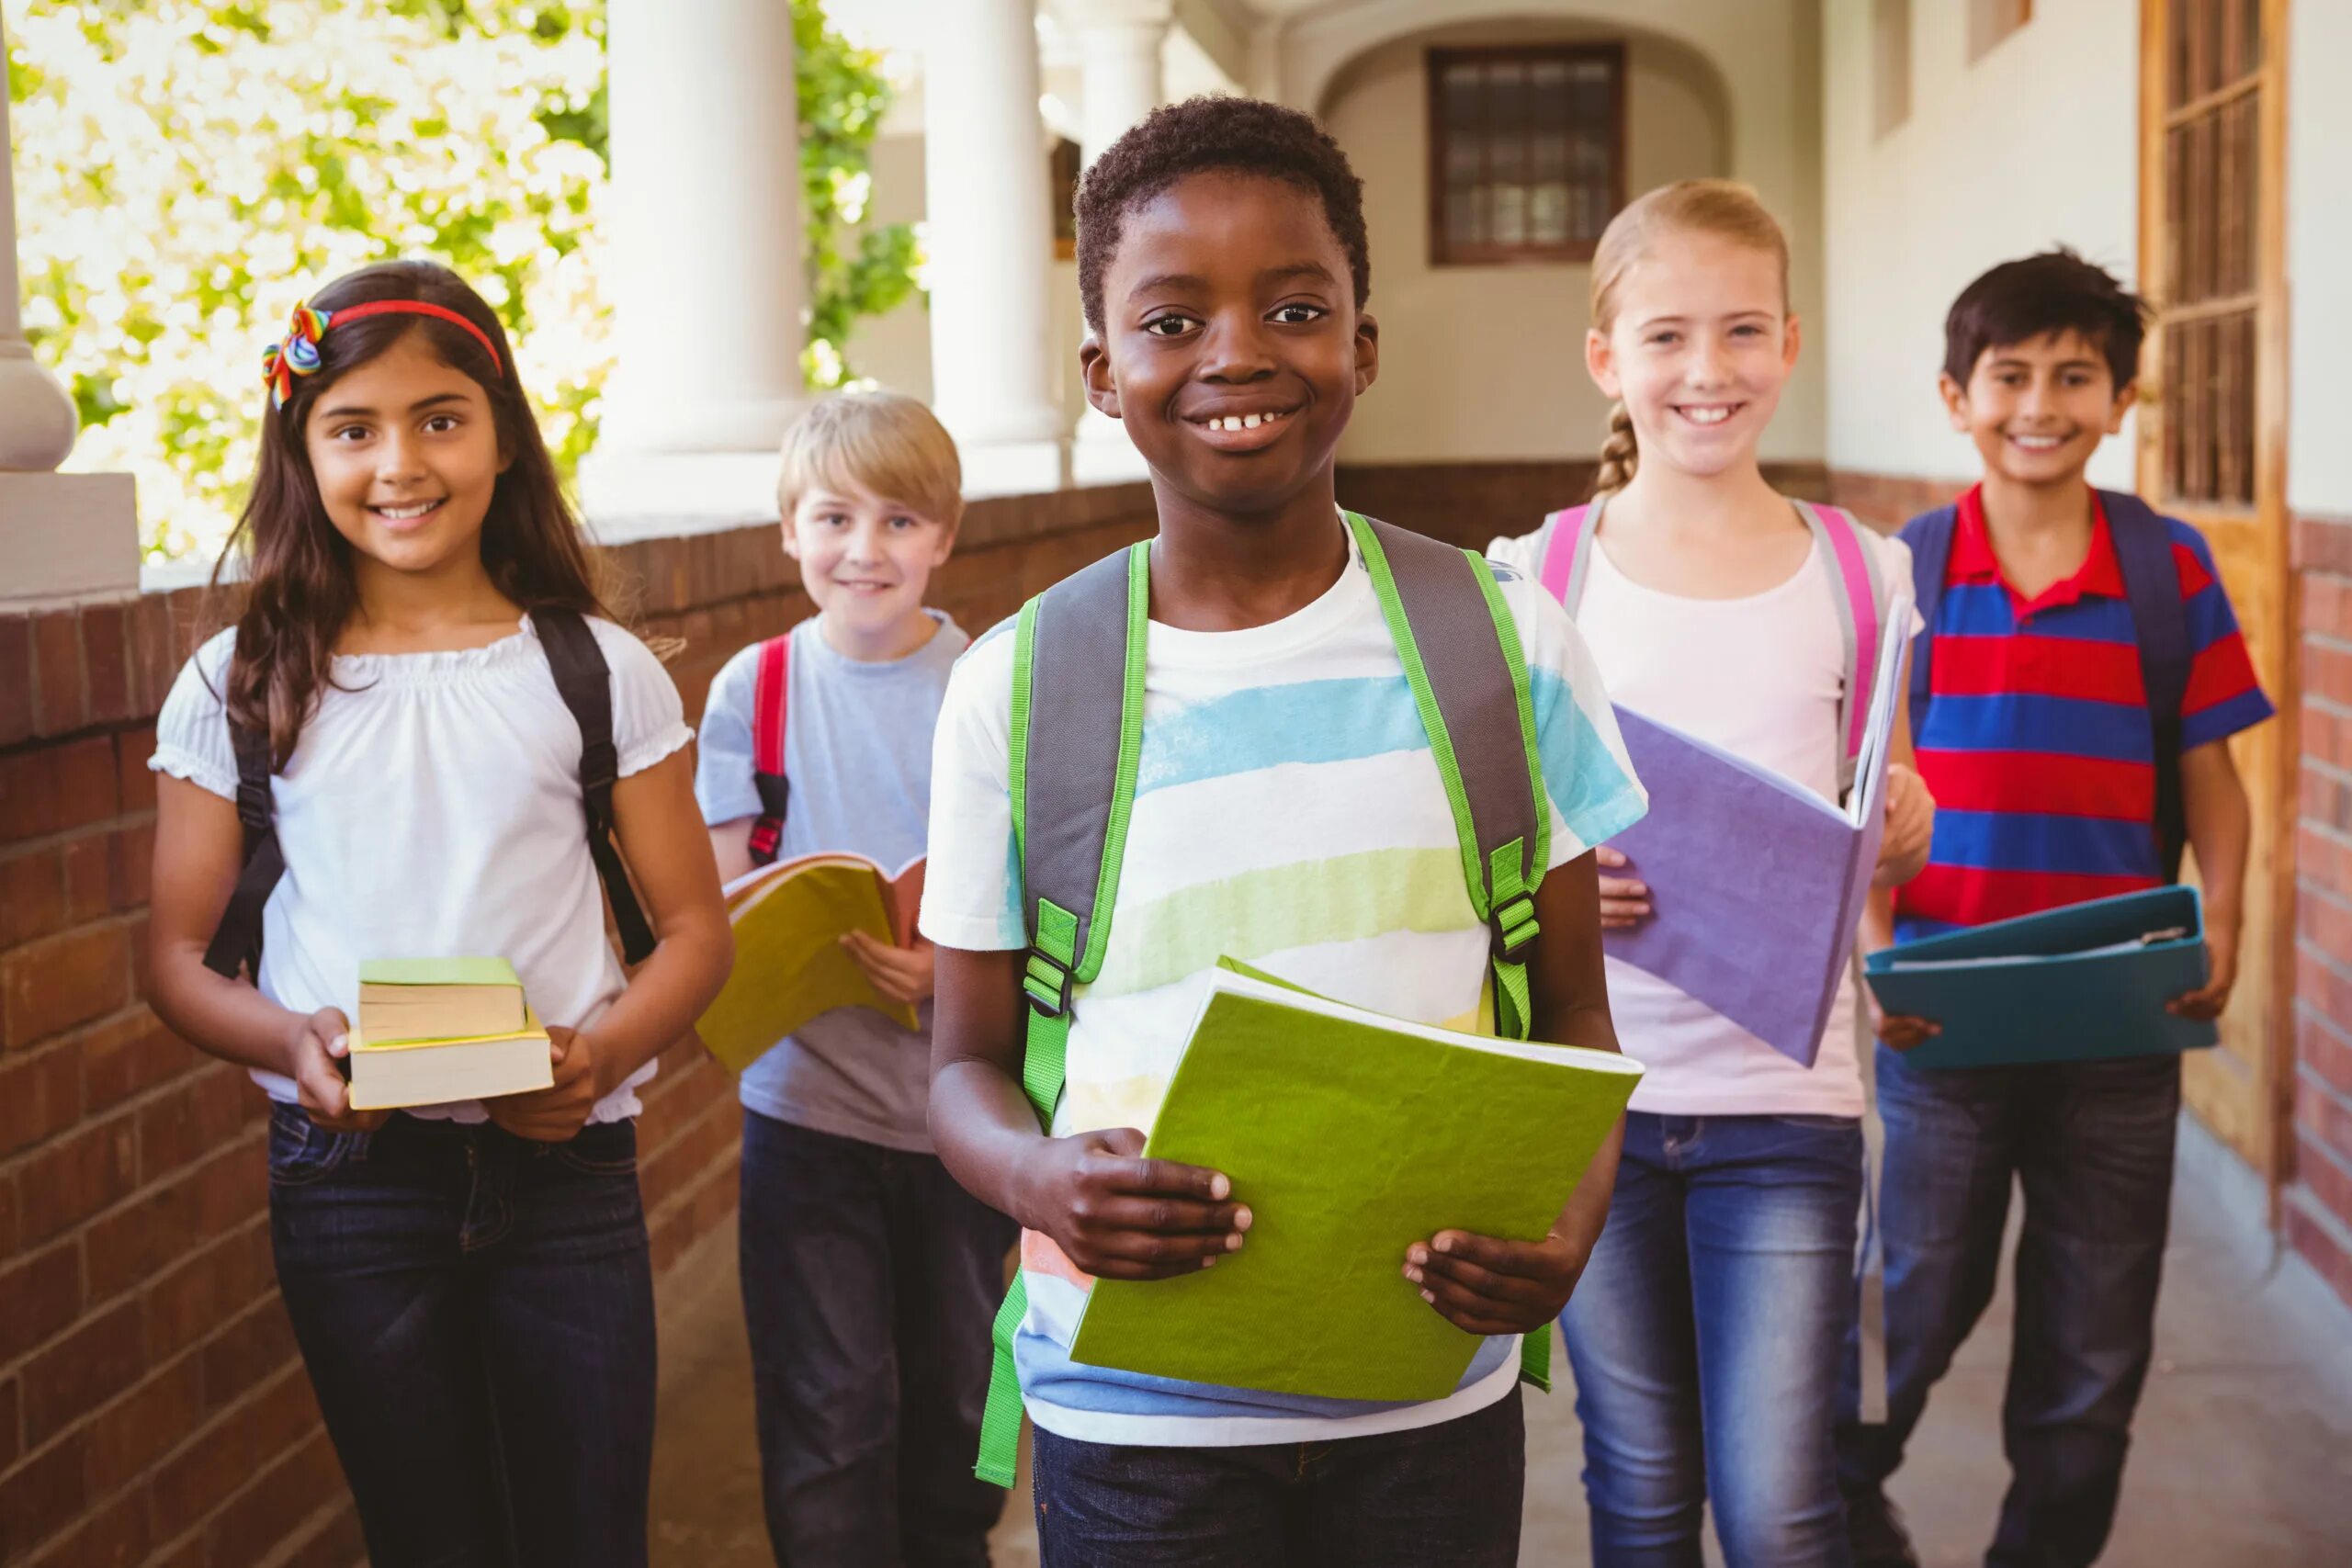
(790, 965)
(393, 1074)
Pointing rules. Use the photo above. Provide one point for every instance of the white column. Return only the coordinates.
(989, 232)
(62, 536)
(708, 278)
(1119, 44)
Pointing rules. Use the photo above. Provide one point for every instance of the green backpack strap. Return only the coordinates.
(1075, 738)
(1462, 655)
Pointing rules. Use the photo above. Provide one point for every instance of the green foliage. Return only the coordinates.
(189, 170)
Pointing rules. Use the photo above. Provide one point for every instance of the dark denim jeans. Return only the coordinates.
(476, 1310)
(1706, 1336)
(1441, 1496)
(2091, 1143)
(870, 1281)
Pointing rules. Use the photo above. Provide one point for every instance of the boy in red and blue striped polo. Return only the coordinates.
(2081, 673)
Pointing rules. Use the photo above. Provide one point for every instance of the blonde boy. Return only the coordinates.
(869, 1275)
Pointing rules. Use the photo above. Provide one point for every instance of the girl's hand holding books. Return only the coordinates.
(1624, 901)
(901, 973)
(318, 1040)
(1910, 827)
(554, 1114)
(1119, 1216)
(1482, 1285)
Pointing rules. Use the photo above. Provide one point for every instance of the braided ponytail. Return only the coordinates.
(1619, 454)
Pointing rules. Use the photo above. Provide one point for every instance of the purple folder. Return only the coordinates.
(1756, 881)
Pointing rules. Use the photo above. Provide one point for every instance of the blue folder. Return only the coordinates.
(2079, 984)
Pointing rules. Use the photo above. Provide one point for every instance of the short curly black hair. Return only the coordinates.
(1245, 136)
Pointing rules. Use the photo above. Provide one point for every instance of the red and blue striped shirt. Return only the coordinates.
(2038, 745)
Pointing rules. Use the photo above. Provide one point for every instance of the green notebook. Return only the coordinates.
(1350, 1135)
(406, 999)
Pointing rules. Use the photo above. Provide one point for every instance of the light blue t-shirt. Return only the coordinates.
(858, 749)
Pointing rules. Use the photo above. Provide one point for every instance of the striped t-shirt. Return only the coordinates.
(2038, 744)
(1288, 812)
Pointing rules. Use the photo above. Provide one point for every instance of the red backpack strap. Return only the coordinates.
(1567, 547)
(771, 695)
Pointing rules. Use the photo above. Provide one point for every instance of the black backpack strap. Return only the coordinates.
(236, 940)
(2143, 555)
(1929, 537)
(584, 681)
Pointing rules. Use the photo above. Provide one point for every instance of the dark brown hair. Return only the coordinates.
(1244, 136)
(300, 591)
(2055, 292)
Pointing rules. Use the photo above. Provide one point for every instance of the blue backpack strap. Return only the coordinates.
(2144, 553)
(1929, 537)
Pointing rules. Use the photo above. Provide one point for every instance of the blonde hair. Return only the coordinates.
(1724, 209)
(884, 442)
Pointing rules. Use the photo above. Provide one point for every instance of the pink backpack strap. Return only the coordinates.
(1568, 542)
(1861, 615)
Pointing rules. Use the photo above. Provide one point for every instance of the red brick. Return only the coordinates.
(2323, 797)
(128, 1438)
(134, 780)
(2326, 734)
(106, 661)
(110, 1538)
(102, 1357)
(130, 861)
(192, 1119)
(51, 985)
(2328, 672)
(32, 896)
(275, 1506)
(130, 1055)
(127, 1246)
(2327, 1176)
(2321, 1244)
(89, 877)
(39, 1295)
(57, 673)
(15, 678)
(10, 1404)
(249, 1352)
(336, 1542)
(48, 789)
(2323, 860)
(2325, 924)
(41, 1498)
(208, 1290)
(2322, 1116)
(66, 1181)
(2325, 1049)
(40, 1096)
(225, 1453)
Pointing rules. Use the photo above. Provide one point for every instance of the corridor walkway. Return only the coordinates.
(2242, 1456)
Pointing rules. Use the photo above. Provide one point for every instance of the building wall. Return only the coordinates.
(152, 1408)
(2319, 492)
(1486, 363)
(2034, 144)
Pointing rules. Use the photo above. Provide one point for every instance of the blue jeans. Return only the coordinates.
(870, 1281)
(1706, 1336)
(2092, 1145)
(1444, 1495)
(476, 1312)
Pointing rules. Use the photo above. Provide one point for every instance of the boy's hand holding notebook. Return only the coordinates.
(790, 961)
(435, 1030)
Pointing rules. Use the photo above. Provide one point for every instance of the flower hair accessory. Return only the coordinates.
(299, 354)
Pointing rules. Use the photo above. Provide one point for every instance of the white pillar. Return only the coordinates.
(708, 270)
(1119, 44)
(989, 232)
(62, 536)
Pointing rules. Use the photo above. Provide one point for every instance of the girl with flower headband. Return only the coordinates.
(392, 754)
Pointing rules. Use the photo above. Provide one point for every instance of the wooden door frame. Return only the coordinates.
(2272, 862)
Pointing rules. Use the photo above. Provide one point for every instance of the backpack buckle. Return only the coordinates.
(1511, 929)
(1047, 983)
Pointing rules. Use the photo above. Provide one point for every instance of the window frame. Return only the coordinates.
(1436, 61)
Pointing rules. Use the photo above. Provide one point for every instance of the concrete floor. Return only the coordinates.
(2242, 1457)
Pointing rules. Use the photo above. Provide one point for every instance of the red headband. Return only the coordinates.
(299, 354)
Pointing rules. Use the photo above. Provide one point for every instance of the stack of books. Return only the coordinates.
(435, 1030)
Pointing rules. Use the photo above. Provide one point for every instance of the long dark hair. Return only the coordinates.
(301, 592)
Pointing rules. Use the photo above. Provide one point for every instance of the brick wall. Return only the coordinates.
(152, 1408)
(2318, 1208)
